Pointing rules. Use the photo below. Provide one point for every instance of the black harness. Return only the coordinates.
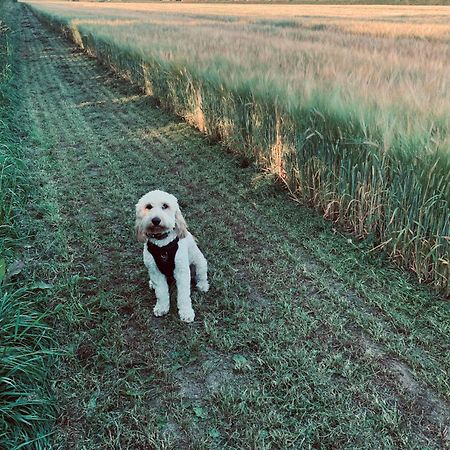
(164, 256)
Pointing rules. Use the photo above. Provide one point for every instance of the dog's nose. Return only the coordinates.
(156, 220)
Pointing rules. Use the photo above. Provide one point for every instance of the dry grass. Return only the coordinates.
(349, 106)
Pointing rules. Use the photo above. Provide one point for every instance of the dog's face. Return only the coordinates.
(158, 212)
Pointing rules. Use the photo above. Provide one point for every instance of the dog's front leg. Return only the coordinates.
(159, 283)
(182, 277)
(201, 271)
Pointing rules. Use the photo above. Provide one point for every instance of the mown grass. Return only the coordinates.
(336, 107)
(25, 338)
(306, 340)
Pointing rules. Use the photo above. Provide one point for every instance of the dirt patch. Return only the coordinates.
(85, 351)
(424, 400)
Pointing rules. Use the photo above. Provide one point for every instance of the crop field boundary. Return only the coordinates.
(399, 199)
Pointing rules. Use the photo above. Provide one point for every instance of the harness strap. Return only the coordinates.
(164, 256)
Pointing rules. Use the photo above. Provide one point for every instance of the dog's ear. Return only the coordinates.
(141, 237)
(180, 225)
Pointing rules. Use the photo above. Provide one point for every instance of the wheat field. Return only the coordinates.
(349, 106)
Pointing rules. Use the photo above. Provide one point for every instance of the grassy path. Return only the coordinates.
(305, 339)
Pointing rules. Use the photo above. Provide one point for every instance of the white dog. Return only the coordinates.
(169, 251)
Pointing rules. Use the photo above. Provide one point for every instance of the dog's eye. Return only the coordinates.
(165, 206)
(148, 206)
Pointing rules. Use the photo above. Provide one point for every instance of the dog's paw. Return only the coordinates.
(203, 286)
(187, 315)
(159, 310)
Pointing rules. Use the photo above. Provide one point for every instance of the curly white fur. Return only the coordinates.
(158, 214)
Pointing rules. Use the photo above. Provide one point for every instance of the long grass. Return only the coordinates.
(25, 339)
(349, 107)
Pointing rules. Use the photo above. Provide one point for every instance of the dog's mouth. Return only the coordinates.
(157, 232)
